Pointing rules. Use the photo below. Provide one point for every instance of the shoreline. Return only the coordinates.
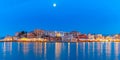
(60, 41)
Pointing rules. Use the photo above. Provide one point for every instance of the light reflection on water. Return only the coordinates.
(60, 51)
(57, 50)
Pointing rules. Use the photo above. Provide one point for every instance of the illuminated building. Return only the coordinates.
(8, 38)
(75, 33)
(91, 37)
(67, 37)
(38, 33)
(31, 35)
(108, 38)
(82, 36)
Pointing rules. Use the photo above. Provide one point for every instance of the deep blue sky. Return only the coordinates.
(86, 16)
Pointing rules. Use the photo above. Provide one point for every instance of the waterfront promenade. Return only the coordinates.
(80, 40)
(59, 36)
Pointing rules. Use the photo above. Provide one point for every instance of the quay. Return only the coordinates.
(81, 40)
(59, 36)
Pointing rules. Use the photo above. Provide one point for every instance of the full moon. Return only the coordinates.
(54, 4)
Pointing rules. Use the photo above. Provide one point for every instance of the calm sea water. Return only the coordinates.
(59, 51)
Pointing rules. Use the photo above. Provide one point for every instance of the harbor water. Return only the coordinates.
(59, 51)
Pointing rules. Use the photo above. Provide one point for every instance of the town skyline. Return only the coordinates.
(87, 17)
(104, 34)
(38, 35)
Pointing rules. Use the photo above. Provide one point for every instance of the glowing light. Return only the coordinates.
(54, 5)
(24, 39)
(58, 34)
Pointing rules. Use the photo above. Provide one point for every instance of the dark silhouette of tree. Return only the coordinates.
(22, 34)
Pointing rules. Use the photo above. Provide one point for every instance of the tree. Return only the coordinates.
(22, 34)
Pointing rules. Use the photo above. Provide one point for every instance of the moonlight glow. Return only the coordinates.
(54, 5)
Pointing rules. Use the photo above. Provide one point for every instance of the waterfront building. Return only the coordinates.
(91, 37)
(8, 38)
(21, 34)
(75, 33)
(52, 34)
(31, 35)
(82, 36)
(38, 33)
(108, 38)
(24, 39)
(15, 38)
(67, 37)
(59, 34)
(99, 37)
(117, 36)
(49, 33)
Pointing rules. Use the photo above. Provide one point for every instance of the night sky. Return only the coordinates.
(86, 16)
